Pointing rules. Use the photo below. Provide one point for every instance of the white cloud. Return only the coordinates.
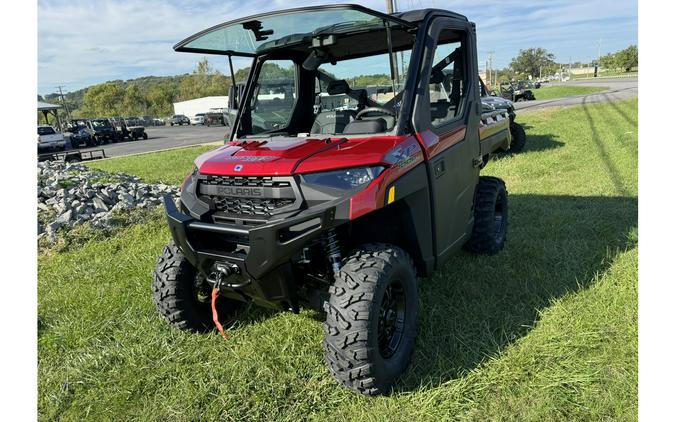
(82, 42)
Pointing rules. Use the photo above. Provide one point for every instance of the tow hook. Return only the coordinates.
(221, 271)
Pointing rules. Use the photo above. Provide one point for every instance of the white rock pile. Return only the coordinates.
(73, 194)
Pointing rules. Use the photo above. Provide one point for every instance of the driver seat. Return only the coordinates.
(333, 121)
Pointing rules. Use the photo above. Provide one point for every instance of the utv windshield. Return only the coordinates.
(254, 35)
(325, 70)
(100, 124)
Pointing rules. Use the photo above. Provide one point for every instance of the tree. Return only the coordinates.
(160, 99)
(103, 100)
(608, 61)
(627, 58)
(532, 61)
(135, 103)
(204, 81)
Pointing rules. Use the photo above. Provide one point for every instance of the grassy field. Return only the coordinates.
(545, 331)
(560, 91)
(168, 167)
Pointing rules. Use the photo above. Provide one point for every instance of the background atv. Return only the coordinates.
(516, 91)
(129, 129)
(337, 207)
(493, 103)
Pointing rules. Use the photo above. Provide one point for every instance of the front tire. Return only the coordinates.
(490, 211)
(145, 135)
(371, 320)
(180, 299)
(518, 137)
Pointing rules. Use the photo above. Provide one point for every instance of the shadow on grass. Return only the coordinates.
(475, 306)
(536, 143)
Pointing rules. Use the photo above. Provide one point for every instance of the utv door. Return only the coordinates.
(446, 117)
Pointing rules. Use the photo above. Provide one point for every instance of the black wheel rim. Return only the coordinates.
(391, 319)
(500, 218)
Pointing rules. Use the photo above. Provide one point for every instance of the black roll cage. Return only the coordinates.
(421, 22)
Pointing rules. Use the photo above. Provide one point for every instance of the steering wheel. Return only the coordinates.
(380, 110)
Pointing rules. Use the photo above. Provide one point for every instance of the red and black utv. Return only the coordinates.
(338, 205)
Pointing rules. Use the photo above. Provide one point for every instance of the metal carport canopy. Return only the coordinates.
(42, 106)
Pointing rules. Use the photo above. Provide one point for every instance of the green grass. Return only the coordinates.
(544, 331)
(560, 91)
(168, 167)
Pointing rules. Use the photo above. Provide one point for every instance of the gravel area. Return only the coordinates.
(70, 195)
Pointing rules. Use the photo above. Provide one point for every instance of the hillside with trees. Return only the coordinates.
(146, 96)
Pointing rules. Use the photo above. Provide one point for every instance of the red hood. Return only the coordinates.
(285, 156)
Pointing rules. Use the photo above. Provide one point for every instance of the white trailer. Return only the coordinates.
(190, 108)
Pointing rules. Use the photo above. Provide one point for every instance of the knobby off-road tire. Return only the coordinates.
(371, 320)
(518, 137)
(176, 295)
(490, 217)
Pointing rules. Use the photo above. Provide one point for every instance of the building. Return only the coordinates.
(190, 108)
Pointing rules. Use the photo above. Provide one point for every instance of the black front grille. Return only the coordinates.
(254, 181)
(262, 207)
(247, 197)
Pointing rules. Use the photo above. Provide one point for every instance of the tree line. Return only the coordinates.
(538, 62)
(624, 60)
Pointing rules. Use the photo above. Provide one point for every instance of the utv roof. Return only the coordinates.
(253, 35)
(418, 15)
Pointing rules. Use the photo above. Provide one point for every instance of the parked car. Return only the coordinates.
(214, 119)
(179, 119)
(198, 119)
(49, 139)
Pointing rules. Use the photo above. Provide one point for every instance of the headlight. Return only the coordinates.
(344, 179)
(189, 177)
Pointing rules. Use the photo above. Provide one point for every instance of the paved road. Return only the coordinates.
(619, 89)
(162, 137)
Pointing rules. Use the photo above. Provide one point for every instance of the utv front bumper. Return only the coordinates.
(262, 253)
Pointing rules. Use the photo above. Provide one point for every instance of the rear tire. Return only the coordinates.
(145, 135)
(178, 298)
(490, 212)
(518, 137)
(371, 320)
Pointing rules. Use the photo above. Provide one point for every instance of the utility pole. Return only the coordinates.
(63, 102)
(487, 70)
(490, 55)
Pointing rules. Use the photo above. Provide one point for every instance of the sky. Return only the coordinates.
(84, 42)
